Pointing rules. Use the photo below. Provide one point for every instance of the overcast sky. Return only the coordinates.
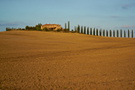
(105, 14)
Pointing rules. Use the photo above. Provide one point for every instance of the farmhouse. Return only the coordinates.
(51, 26)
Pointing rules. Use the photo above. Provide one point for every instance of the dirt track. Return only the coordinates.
(31, 60)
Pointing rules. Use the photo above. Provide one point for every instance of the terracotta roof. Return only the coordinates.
(49, 24)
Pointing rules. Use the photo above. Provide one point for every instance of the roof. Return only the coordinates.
(50, 24)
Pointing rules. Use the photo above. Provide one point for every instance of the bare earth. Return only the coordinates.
(32, 60)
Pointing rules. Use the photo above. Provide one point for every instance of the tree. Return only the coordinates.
(94, 31)
(120, 33)
(84, 29)
(128, 33)
(78, 29)
(113, 33)
(38, 27)
(132, 34)
(124, 33)
(65, 26)
(103, 32)
(107, 33)
(81, 29)
(27, 27)
(30, 28)
(117, 33)
(100, 32)
(110, 33)
(97, 32)
(69, 25)
(8, 29)
(88, 32)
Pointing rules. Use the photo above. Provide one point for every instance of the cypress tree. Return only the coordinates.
(100, 32)
(117, 33)
(113, 33)
(78, 29)
(88, 31)
(128, 33)
(103, 32)
(120, 33)
(84, 29)
(65, 26)
(97, 32)
(69, 25)
(110, 33)
(107, 33)
(124, 33)
(132, 34)
(81, 29)
(94, 31)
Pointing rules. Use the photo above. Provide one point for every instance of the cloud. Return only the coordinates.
(127, 6)
(128, 26)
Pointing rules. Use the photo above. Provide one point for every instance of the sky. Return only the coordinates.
(104, 14)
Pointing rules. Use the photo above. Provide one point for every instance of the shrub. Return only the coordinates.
(66, 30)
(8, 29)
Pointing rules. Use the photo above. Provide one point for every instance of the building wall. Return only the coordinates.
(51, 26)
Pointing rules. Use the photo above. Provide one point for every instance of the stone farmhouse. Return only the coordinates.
(51, 26)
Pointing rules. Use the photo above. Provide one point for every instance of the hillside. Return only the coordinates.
(32, 60)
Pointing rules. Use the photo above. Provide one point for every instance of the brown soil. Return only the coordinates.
(32, 60)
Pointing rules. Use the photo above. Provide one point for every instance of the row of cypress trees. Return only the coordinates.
(67, 26)
(107, 33)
